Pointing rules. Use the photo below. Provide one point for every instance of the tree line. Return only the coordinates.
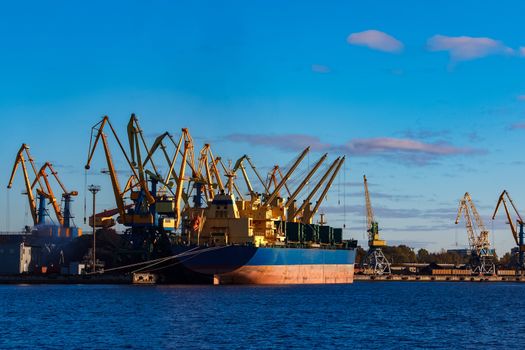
(404, 254)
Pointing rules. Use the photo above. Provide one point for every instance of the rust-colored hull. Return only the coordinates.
(289, 274)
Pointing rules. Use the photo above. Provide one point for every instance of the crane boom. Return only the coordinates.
(50, 194)
(374, 240)
(477, 217)
(480, 243)
(519, 220)
(267, 191)
(482, 255)
(215, 171)
(315, 189)
(223, 166)
(188, 147)
(286, 177)
(21, 161)
(111, 168)
(369, 209)
(305, 181)
(327, 188)
(240, 165)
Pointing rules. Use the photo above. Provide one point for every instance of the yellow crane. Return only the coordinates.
(186, 148)
(136, 142)
(98, 134)
(285, 178)
(42, 174)
(293, 213)
(22, 157)
(478, 236)
(518, 236)
(305, 181)
(240, 165)
(207, 174)
(309, 215)
(375, 261)
(275, 182)
(230, 175)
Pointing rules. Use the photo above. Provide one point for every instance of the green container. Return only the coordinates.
(294, 232)
(311, 233)
(338, 235)
(326, 234)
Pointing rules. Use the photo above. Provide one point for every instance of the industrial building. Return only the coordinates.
(15, 258)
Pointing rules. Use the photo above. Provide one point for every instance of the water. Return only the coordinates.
(363, 315)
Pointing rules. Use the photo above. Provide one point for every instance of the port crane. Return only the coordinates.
(277, 184)
(230, 175)
(63, 216)
(240, 165)
(42, 187)
(127, 218)
(207, 176)
(375, 259)
(22, 157)
(479, 243)
(517, 235)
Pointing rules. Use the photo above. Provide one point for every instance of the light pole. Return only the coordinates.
(94, 189)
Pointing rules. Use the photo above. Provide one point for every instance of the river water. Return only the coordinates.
(364, 315)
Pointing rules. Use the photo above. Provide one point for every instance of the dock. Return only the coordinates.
(439, 278)
(63, 279)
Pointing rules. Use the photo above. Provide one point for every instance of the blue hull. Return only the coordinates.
(248, 264)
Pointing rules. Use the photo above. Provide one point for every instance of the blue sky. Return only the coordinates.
(425, 97)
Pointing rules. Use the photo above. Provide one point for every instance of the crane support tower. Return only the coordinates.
(518, 236)
(478, 237)
(375, 261)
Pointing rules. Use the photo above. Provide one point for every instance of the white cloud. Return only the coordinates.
(376, 40)
(407, 150)
(464, 48)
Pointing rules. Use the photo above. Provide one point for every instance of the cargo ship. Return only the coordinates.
(226, 248)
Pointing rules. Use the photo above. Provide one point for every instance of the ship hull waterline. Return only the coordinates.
(267, 266)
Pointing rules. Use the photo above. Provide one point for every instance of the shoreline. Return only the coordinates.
(438, 278)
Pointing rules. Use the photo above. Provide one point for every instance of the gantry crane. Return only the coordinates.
(518, 236)
(481, 253)
(375, 260)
